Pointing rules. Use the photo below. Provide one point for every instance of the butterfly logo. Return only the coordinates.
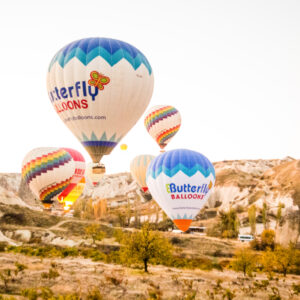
(98, 80)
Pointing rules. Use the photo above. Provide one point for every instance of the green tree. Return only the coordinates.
(252, 218)
(94, 231)
(145, 246)
(245, 261)
(229, 224)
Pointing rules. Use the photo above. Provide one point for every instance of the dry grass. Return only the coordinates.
(80, 276)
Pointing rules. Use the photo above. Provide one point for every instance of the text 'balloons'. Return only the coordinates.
(180, 182)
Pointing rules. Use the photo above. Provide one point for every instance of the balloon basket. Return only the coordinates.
(99, 169)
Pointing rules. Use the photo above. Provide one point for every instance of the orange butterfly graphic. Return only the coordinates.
(98, 80)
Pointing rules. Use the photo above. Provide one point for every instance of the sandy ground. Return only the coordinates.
(117, 282)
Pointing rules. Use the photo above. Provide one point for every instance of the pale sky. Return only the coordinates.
(232, 69)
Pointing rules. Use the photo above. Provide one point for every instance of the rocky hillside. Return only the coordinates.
(239, 185)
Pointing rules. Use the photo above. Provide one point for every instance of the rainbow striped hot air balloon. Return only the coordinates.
(138, 168)
(48, 171)
(180, 181)
(162, 123)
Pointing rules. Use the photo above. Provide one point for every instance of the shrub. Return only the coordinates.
(3, 246)
(52, 274)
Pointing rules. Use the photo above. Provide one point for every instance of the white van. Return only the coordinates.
(246, 237)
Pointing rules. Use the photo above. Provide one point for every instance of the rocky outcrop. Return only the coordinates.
(239, 184)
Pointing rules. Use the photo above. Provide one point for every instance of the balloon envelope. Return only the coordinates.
(74, 194)
(138, 168)
(180, 181)
(123, 147)
(99, 87)
(48, 171)
(162, 123)
(69, 194)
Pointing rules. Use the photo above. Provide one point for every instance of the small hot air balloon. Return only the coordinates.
(162, 123)
(99, 87)
(48, 171)
(138, 168)
(74, 194)
(94, 173)
(70, 194)
(180, 182)
(123, 147)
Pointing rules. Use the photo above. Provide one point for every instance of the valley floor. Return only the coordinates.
(79, 275)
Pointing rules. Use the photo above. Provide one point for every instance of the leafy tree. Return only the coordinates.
(94, 232)
(252, 219)
(268, 239)
(264, 214)
(267, 261)
(83, 208)
(285, 258)
(279, 214)
(245, 261)
(229, 224)
(146, 246)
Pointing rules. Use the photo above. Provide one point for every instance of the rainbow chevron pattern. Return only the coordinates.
(52, 191)
(162, 123)
(187, 161)
(167, 135)
(159, 114)
(86, 50)
(44, 163)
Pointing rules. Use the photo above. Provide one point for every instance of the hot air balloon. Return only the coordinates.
(162, 123)
(180, 182)
(72, 192)
(99, 87)
(48, 171)
(94, 173)
(123, 147)
(138, 168)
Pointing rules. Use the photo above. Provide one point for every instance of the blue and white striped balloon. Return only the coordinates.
(180, 181)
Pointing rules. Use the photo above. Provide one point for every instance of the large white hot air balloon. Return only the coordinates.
(99, 87)
(180, 182)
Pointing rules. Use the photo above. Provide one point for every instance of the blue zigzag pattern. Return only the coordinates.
(187, 161)
(180, 167)
(93, 138)
(190, 217)
(111, 50)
